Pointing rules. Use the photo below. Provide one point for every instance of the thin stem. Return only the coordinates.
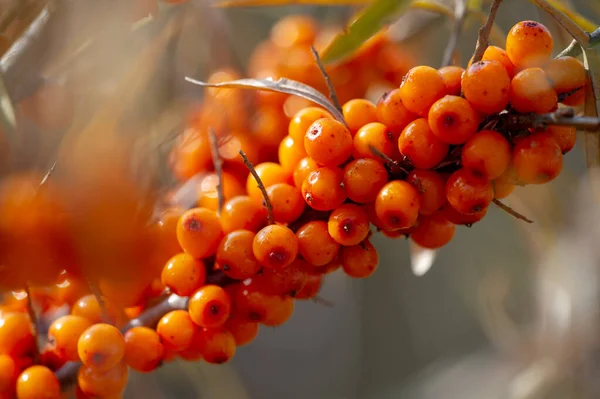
(391, 162)
(561, 117)
(34, 322)
(581, 36)
(218, 163)
(484, 32)
(96, 292)
(332, 93)
(574, 49)
(261, 186)
(511, 211)
(460, 14)
(47, 175)
(322, 301)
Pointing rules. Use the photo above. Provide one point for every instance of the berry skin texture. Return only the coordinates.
(275, 246)
(183, 274)
(312, 287)
(565, 74)
(269, 173)
(537, 159)
(374, 135)
(467, 192)
(302, 121)
(176, 330)
(328, 142)
(199, 232)
(486, 154)
(210, 306)
(420, 88)
(348, 224)
(486, 86)
(433, 231)
(421, 146)
(143, 349)
(453, 119)
(286, 201)
(103, 383)
(290, 152)
(360, 261)
(397, 205)
(494, 53)
(452, 76)
(16, 334)
(9, 372)
(458, 218)
(218, 345)
(363, 178)
(322, 189)
(101, 346)
(315, 244)
(529, 44)
(431, 187)
(235, 256)
(358, 112)
(243, 213)
(288, 281)
(38, 382)
(502, 187)
(565, 137)
(530, 91)
(64, 333)
(303, 169)
(392, 112)
(243, 331)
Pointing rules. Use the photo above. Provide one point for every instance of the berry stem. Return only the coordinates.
(34, 323)
(484, 32)
(393, 164)
(510, 211)
(261, 186)
(580, 36)
(319, 300)
(96, 292)
(574, 49)
(460, 14)
(47, 175)
(218, 163)
(561, 117)
(332, 93)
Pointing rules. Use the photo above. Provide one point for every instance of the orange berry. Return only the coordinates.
(218, 345)
(294, 30)
(176, 330)
(452, 75)
(210, 306)
(328, 142)
(537, 159)
(575, 98)
(183, 274)
(315, 245)
(64, 334)
(190, 154)
(433, 231)
(374, 135)
(361, 260)
(16, 334)
(453, 119)
(359, 112)
(503, 187)
(231, 144)
(565, 136)
(269, 173)
(363, 178)
(431, 187)
(166, 229)
(9, 372)
(397, 205)
(487, 154)
(208, 193)
(392, 112)
(143, 349)
(302, 120)
(486, 86)
(312, 287)
(348, 224)
(103, 383)
(529, 44)
(275, 246)
(290, 153)
(288, 281)
(322, 189)
(243, 213)
(38, 382)
(420, 88)
(269, 127)
(303, 169)
(458, 218)
(565, 74)
(468, 193)
(101, 346)
(243, 331)
(494, 53)
(421, 146)
(199, 232)
(530, 91)
(279, 311)
(235, 256)
(286, 201)
(89, 307)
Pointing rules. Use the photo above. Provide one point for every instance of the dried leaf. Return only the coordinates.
(281, 85)
(421, 259)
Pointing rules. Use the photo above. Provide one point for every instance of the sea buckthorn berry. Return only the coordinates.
(397, 205)
(312, 287)
(166, 229)
(38, 382)
(64, 334)
(374, 135)
(101, 346)
(243, 331)
(302, 121)
(322, 189)
(433, 231)
(290, 153)
(243, 213)
(359, 112)
(392, 112)
(495, 53)
(270, 173)
(486, 86)
(530, 91)
(183, 274)
(9, 372)
(574, 99)
(279, 311)
(468, 193)
(361, 260)
(503, 187)
(208, 193)
(218, 345)
(431, 187)
(288, 281)
(190, 154)
(143, 349)
(286, 201)
(199, 232)
(565, 74)
(363, 178)
(537, 159)
(16, 334)
(420, 88)
(103, 383)
(294, 30)
(269, 127)
(328, 142)
(421, 146)
(487, 154)
(303, 169)
(176, 330)
(235, 256)
(249, 301)
(529, 44)
(88, 306)
(458, 218)
(452, 75)
(315, 245)
(348, 224)
(565, 136)
(275, 246)
(210, 306)
(453, 119)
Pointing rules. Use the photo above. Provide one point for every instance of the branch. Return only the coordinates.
(484, 32)
(332, 93)
(580, 36)
(574, 49)
(561, 117)
(218, 163)
(460, 13)
(261, 187)
(510, 211)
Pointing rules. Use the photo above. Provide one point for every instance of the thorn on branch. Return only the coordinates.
(332, 93)
(260, 185)
(484, 32)
(511, 211)
(218, 164)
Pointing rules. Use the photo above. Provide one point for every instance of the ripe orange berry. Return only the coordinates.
(300, 123)
(453, 119)
(420, 88)
(286, 201)
(9, 372)
(101, 346)
(486, 86)
(433, 231)
(208, 193)
(16, 334)
(503, 187)
(530, 91)
(452, 75)
(363, 178)
(397, 205)
(303, 169)
(294, 30)
(199, 232)
(243, 213)
(328, 142)
(565, 136)
(467, 192)
(361, 260)
(279, 311)
(359, 112)
(210, 306)
(431, 187)
(322, 189)
(529, 44)
(374, 135)
(275, 246)
(269, 173)
(458, 218)
(348, 224)
(487, 154)
(290, 153)
(421, 146)
(190, 154)
(494, 53)
(565, 74)
(89, 307)
(288, 281)
(269, 127)
(176, 330)
(103, 383)
(183, 274)
(218, 345)
(235, 256)
(243, 331)
(537, 159)
(64, 335)
(315, 245)
(38, 382)
(312, 287)
(392, 112)
(143, 349)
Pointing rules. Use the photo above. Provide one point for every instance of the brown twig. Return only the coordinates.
(561, 117)
(393, 164)
(332, 93)
(574, 49)
(260, 185)
(101, 302)
(581, 36)
(484, 32)
(34, 322)
(322, 301)
(510, 211)
(460, 14)
(218, 163)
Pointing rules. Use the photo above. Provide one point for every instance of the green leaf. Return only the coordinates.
(368, 22)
